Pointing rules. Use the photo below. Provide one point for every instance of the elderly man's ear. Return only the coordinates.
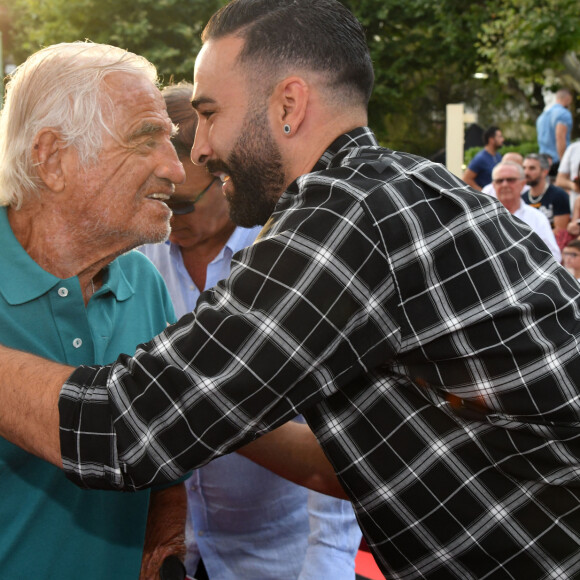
(48, 154)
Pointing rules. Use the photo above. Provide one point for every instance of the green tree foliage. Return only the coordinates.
(164, 31)
(424, 57)
(524, 38)
(425, 52)
(530, 44)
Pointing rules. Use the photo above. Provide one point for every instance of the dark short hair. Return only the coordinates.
(543, 159)
(178, 102)
(489, 133)
(316, 35)
(573, 244)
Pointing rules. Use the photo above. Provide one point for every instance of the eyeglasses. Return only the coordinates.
(185, 207)
(508, 179)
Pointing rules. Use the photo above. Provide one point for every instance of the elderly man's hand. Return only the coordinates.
(165, 529)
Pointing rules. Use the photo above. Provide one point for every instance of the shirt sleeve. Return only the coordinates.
(292, 324)
(563, 117)
(334, 539)
(561, 204)
(565, 165)
(476, 164)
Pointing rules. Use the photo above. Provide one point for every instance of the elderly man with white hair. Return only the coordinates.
(514, 157)
(508, 179)
(85, 164)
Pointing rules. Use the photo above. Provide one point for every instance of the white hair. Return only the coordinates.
(58, 87)
(501, 164)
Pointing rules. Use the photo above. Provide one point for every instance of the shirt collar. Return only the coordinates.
(237, 241)
(23, 280)
(115, 281)
(239, 238)
(345, 144)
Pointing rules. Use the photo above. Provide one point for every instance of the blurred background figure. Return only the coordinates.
(554, 127)
(571, 256)
(478, 172)
(509, 180)
(552, 201)
(243, 521)
(567, 177)
(509, 156)
(574, 224)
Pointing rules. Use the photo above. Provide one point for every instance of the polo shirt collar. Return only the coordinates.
(116, 282)
(23, 280)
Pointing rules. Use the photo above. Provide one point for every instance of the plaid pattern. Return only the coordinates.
(429, 338)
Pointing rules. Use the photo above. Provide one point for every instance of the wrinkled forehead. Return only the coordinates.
(506, 171)
(133, 101)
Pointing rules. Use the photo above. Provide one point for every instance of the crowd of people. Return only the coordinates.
(547, 181)
(273, 332)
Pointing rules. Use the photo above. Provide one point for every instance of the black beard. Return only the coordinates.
(256, 173)
(533, 182)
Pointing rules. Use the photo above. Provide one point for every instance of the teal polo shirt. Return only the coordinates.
(50, 528)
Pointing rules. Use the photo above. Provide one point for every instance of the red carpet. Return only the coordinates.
(366, 566)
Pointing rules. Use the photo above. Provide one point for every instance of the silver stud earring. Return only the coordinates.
(287, 129)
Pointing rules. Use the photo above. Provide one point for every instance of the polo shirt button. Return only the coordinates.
(62, 292)
(77, 342)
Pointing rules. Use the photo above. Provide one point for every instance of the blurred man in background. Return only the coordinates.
(554, 127)
(478, 172)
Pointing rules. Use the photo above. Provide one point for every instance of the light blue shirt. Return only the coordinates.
(244, 521)
(546, 129)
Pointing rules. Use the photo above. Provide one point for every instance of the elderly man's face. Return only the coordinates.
(121, 197)
(508, 186)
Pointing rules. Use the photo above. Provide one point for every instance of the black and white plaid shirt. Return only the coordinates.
(429, 338)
